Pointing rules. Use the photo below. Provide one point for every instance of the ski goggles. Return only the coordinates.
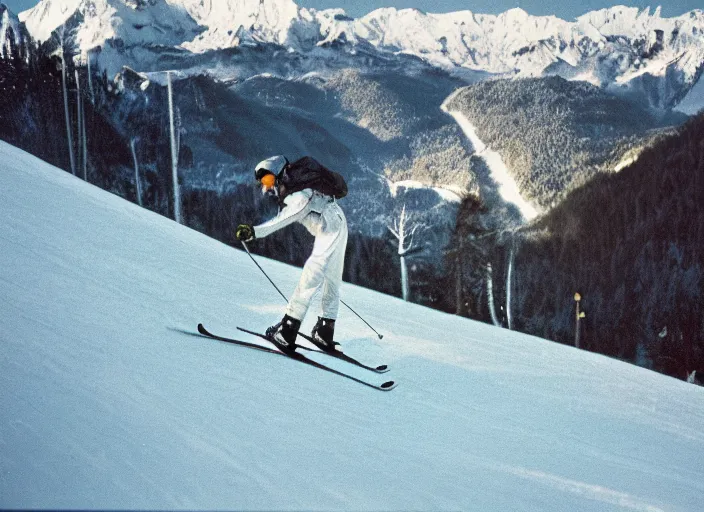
(268, 180)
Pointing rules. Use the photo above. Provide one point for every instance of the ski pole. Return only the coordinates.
(362, 319)
(244, 244)
(260, 268)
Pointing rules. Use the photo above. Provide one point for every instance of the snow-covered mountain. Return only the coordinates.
(693, 102)
(12, 33)
(117, 24)
(624, 48)
(108, 401)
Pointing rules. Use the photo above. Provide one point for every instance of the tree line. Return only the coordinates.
(629, 243)
(50, 110)
(556, 134)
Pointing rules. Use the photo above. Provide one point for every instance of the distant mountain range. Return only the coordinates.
(622, 49)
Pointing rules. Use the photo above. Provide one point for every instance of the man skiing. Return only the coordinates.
(306, 193)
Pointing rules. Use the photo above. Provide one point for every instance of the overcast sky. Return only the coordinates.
(566, 9)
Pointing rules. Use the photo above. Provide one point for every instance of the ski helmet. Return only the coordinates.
(272, 165)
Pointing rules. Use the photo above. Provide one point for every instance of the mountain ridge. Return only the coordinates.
(629, 50)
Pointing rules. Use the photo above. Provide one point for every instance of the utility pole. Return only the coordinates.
(69, 137)
(144, 82)
(174, 152)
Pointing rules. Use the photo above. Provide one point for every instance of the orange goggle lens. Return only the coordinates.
(268, 180)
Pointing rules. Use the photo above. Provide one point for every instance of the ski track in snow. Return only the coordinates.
(593, 492)
(507, 187)
(108, 403)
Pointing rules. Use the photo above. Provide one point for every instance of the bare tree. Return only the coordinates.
(405, 247)
(509, 275)
(490, 294)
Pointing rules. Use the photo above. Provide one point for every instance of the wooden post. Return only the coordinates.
(578, 316)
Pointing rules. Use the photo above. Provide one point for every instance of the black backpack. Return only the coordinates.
(309, 173)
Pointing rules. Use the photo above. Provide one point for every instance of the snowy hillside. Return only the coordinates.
(505, 185)
(629, 49)
(109, 401)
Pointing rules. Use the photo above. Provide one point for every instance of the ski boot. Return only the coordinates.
(283, 334)
(323, 333)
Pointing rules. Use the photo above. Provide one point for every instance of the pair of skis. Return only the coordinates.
(386, 386)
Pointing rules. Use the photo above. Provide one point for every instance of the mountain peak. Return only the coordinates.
(614, 46)
(113, 26)
(275, 21)
(516, 13)
(42, 19)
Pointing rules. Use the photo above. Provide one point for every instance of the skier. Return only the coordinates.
(306, 193)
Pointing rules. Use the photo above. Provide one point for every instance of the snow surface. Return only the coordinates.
(445, 193)
(109, 402)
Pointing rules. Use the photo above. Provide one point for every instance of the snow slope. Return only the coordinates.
(506, 185)
(109, 403)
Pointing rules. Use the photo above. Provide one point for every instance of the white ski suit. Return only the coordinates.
(324, 219)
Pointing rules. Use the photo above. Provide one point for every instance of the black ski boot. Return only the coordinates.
(283, 334)
(323, 333)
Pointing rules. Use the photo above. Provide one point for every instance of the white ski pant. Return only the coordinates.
(324, 266)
